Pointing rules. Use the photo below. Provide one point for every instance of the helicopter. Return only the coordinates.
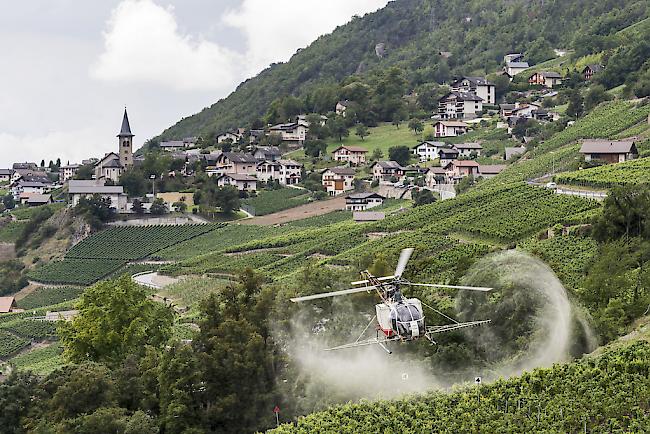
(398, 319)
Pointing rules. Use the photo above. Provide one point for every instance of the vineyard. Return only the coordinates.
(31, 329)
(75, 271)
(40, 361)
(490, 217)
(47, 296)
(610, 175)
(270, 201)
(130, 243)
(605, 394)
(106, 252)
(10, 343)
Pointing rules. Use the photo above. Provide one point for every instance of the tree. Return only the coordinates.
(158, 207)
(422, 197)
(338, 128)
(429, 133)
(397, 119)
(315, 147)
(362, 131)
(576, 106)
(85, 172)
(137, 207)
(376, 155)
(9, 201)
(416, 125)
(42, 163)
(595, 96)
(180, 206)
(96, 210)
(116, 318)
(227, 198)
(400, 154)
(16, 398)
(134, 182)
(626, 213)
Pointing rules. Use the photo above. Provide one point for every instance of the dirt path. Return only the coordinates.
(298, 213)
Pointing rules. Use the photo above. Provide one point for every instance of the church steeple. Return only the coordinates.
(125, 131)
(125, 141)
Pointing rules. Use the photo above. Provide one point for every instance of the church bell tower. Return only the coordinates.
(125, 139)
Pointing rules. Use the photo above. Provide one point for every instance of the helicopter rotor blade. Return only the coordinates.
(403, 260)
(469, 288)
(333, 293)
(381, 279)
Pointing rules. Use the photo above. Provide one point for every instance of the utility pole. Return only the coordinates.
(153, 185)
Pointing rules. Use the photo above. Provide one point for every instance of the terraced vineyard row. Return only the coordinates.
(31, 328)
(47, 296)
(630, 172)
(72, 271)
(130, 243)
(585, 395)
(10, 343)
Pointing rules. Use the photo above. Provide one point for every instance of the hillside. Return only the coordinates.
(477, 33)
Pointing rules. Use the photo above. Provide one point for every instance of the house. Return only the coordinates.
(237, 162)
(337, 180)
(190, 142)
(468, 149)
(510, 152)
(505, 110)
(447, 156)
(609, 150)
(292, 132)
(435, 176)
(458, 169)
(233, 136)
(35, 199)
(449, 128)
(303, 118)
(545, 78)
(460, 105)
(23, 186)
(513, 57)
(8, 304)
(477, 85)
(341, 107)
(25, 166)
(589, 70)
(428, 150)
(363, 201)
(172, 145)
(78, 189)
(385, 170)
(30, 175)
(242, 181)
(68, 172)
(525, 110)
(269, 153)
(490, 170)
(354, 155)
(514, 68)
(254, 136)
(6, 174)
(286, 172)
(109, 167)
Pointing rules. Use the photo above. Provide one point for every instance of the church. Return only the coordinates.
(115, 163)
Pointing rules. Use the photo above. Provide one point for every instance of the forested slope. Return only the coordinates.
(477, 33)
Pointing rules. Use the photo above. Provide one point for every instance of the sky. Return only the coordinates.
(69, 67)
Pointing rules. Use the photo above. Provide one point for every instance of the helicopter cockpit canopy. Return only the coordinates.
(407, 319)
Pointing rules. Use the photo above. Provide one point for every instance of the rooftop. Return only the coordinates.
(93, 187)
(340, 170)
(351, 148)
(365, 195)
(491, 169)
(607, 147)
(6, 303)
(452, 123)
(472, 145)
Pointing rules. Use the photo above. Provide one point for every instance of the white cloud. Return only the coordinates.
(143, 43)
(276, 29)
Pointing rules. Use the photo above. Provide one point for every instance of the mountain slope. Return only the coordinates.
(477, 33)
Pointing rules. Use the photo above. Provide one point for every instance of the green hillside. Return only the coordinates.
(601, 394)
(477, 33)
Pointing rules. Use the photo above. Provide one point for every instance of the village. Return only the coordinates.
(250, 160)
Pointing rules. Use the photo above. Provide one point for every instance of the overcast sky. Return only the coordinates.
(70, 66)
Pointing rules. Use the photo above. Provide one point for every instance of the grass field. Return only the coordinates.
(10, 232)
(270, 201)
(26, 212)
